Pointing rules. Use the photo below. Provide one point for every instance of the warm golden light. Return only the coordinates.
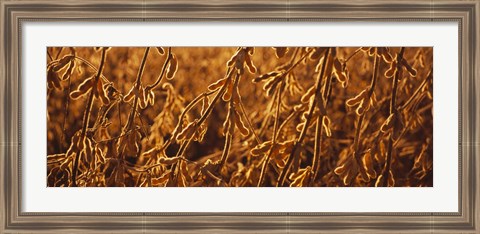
(235, 117)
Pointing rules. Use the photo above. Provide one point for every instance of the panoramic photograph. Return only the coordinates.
(239, 116)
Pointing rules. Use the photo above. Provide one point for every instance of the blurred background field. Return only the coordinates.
(199, 67)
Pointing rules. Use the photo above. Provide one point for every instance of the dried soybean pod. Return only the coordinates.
(385, 54)
(82, 88)
(391, 70)
(280, 51)
(228, 121)
(341, 77)
(228, 92)
(329, 65)
(129, 96)
(409, 68)
(160, 50)
(187, 132)
(184, 171)
(240, 60)
(388, 124)
(68, 73)
(231, 61)
(162, 179)
(317, 53)
(217, 84)
(361, 108)
(261, 148)
(240, 124)
(265, 76)
(205, 103)
(89, 152)
(172, 67)
(326, 126)
(102, 94)
(53, 80)
(100, 154)
(168, 161)
(337, 65)
(150, 97)
(306, 97)
(249, 63)
(340, 170)
(357, 99)
(368, 165)
(62, 63)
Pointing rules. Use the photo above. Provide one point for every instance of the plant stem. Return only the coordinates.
(215, 99)
(303, 133)
(291, 65)
(318, 128)
(266, 120)
(182, 115)
(356, 142)
(317, 147)
(353, 54)
(275, 134)
(186, 143)
(86, 116)
(49, 56)
(137, 87)
(417, 91)
(242, 107)
(160, 77)
(288, 119)
(58, 53)
(228, 138)
(67, 103)
(386, 169)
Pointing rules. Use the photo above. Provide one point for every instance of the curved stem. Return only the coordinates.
(215, 99)
(86, 115)
(356, 142)
(49, 55)
(317, 147)
(242, 108)
(58, 53)
(229, 136)
(386, 169)
(186, 143)
(291, 65)
(67, 104)
(84, 61)
(417, 91)
(184, 112)
(138, 83)
(275, 134)
(353, 54)
(164, 68)
(226, 149)
(288, 119)
(283, 174)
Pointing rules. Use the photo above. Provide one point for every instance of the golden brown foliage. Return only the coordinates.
(296, 116)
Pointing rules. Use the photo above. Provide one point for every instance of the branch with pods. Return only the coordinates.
(245, 116)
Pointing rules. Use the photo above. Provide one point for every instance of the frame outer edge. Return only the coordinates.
(8, 120)
(3, 142)
(476, 77)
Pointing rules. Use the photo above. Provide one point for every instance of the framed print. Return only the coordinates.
(234, 116)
